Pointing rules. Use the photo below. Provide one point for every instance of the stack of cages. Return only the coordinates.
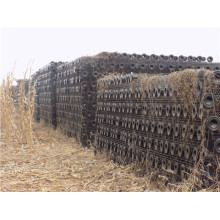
(76, 100)
(91, 68)
(46, 92)
(115, 63)
(68, 101)
(108, 64)
(162, 119)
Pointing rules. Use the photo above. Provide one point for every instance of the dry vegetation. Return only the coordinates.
(59, 163)
(34, 157)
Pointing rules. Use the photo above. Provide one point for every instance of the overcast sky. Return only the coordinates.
(38, 46)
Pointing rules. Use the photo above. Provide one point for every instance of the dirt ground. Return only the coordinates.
(59, 163)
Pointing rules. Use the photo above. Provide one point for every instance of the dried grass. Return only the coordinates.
(60, 163)
(101, 85)
(103, 56)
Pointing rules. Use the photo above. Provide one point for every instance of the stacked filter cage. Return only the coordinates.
(76, 99)
(76, 85)
(115, 63)
(136, 63)
(46, 91)
(167, 118)
(152, 120)
(137, 117)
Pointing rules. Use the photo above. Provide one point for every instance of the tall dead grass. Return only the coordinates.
(17, 110)
(7, 107)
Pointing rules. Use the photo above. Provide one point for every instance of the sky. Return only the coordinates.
(22, 48)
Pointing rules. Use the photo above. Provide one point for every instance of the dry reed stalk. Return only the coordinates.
(17, 115)
(7, 106)
(25, 109)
